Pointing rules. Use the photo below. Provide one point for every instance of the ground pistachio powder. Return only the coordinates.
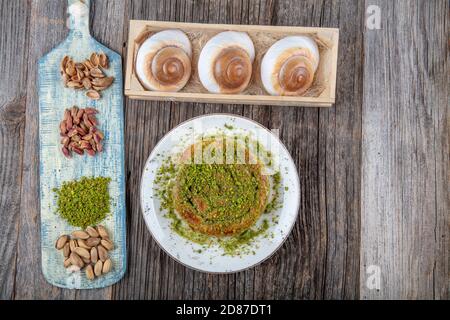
(235, 245)
(84, 202)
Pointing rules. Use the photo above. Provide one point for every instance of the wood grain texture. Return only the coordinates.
(405, 152)
(46, 29)
(14, 49)
(321, 257)
(398, 134)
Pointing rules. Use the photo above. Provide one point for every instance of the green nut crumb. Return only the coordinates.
(241, 244)
(84, 202)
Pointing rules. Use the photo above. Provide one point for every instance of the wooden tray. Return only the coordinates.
(54, 98)
(321, 94)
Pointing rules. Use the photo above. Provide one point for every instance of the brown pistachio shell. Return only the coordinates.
(97, 73)
(107, 265)
(76, 260)
(80, 234)
(92, 94)
(73, 244)
(82, 244)
(107, 244)
(92, 242)
(98, 268)
(102, 253)
(102, 231)
(64, 63)
(82, 252)
(86, 261)
(67, 263)
(61, 242)
(66, 250)
(90, 272)
(95, 60)
(91, 230)
(104, 63)
(94, 255)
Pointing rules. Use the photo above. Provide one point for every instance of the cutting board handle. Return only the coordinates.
(79, 17)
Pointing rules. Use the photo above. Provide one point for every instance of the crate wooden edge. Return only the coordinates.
(129, 61)
(237, 27)
(136, 26)
(333, 73)
(229, 99)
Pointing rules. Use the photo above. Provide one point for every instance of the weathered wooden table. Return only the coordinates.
(374, 168)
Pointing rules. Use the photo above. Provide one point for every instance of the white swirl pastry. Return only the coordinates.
(163, 62)
(288, 67)
(225, 62)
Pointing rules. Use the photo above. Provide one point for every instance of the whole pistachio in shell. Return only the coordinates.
(61, 242)
(102, 253)
(66, 250)
(76, 260)
(90, 272)
(102, 231)
(92, 232)
(98, 268)
(67, 263)
(94, 255)
(82, 252)
(92, 242)
(107, 244)
(73, 244)
(80, 234)
(82, 244)
(107, 266)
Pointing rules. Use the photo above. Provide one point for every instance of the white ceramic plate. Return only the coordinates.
(212, 259)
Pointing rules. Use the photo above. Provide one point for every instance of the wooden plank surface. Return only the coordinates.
(405, 152)
(14, 55)
(385, 135)
(321, 258)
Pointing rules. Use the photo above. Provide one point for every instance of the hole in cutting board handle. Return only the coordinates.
(78, 20)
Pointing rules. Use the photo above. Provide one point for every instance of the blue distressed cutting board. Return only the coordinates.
(55, 168)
